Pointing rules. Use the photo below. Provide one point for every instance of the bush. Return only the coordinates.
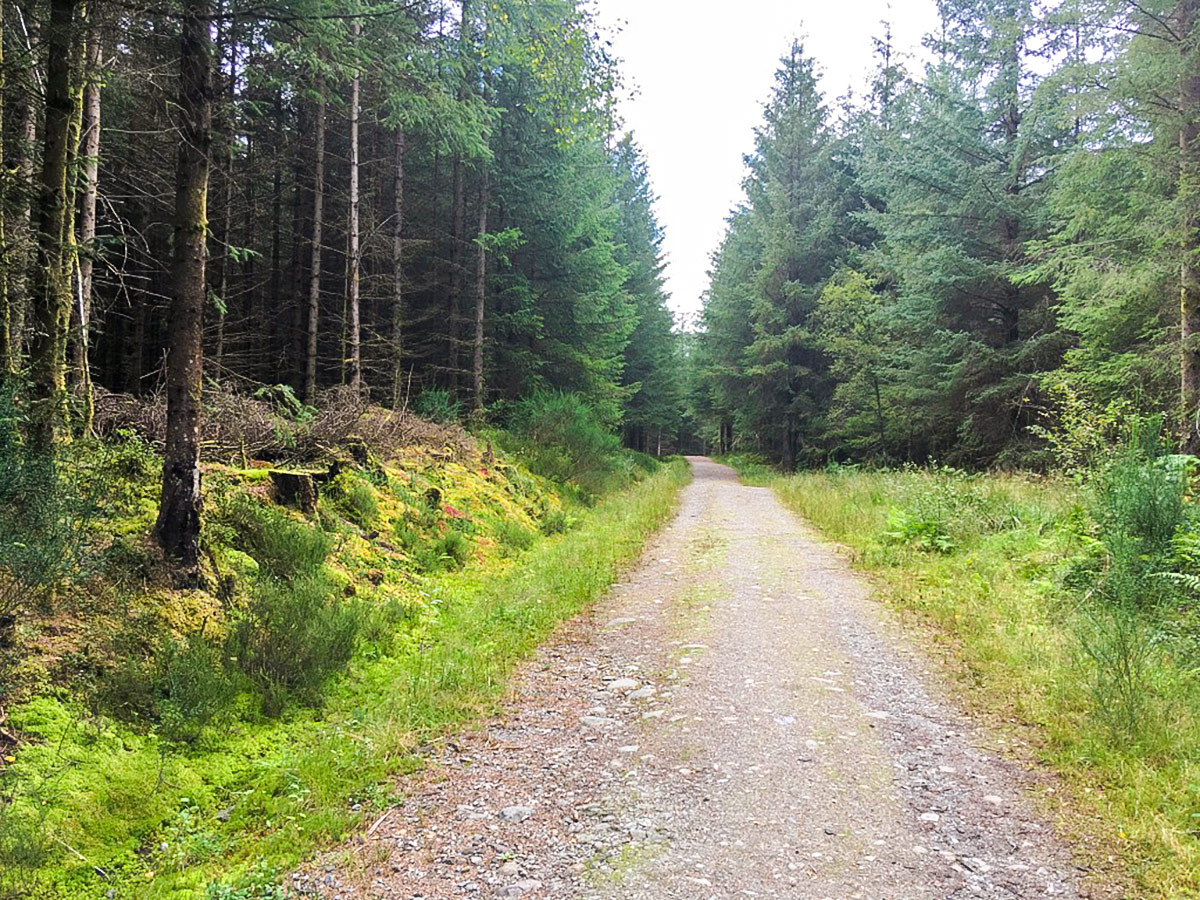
(437, 405)
(644, 461)
(293, 636)
(184, 687)
(194, 687)
(554, 521)
(45, 510)
(514, 536)
(450, 551)
(563, 439)
(282, 547)
(26, 844)
(1141, 510)
(358, 499)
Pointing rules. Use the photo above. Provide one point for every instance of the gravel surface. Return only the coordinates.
(737, 719)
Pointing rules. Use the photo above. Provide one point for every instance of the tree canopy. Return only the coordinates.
(918, 276)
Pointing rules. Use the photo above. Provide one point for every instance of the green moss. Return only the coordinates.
(244, 797)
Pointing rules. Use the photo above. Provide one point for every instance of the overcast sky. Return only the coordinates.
(700, 71)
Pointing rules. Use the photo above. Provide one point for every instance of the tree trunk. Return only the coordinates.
(354, 350)
(787, 456)
(8, 359)
(457, 279)
(1189, 200)
(178, 526)
(23, 257)
(314, 281)
(398, 272)
(51, 296)
(243, 339)
(480, 297)
(227, 204)
(459, 222)
(271, 336)
(87, 215)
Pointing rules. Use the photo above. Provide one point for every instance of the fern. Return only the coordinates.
(1185, 580)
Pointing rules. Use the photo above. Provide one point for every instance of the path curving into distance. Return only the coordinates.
(737, 719)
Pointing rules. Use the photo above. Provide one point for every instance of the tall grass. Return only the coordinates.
(1022, 587)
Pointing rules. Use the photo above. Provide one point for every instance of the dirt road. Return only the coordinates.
(736, 720)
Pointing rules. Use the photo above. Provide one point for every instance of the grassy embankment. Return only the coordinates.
(157, 775)
(1000, 573)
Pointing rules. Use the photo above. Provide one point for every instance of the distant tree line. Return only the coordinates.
(401, 197)
(938, 269)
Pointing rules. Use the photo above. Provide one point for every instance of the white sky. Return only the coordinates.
(700, 71)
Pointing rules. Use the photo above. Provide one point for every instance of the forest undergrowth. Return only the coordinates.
(163, 739)
(1066, 609)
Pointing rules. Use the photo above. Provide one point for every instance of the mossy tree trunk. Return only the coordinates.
(318, 224)
(398, 269)
(178, 526)
(8, 359)
(21, 236)
(229, 113)
(353, 253)
(85, 251)
(480, 297)
(51, 294)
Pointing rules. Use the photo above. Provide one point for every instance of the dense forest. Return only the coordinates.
(973, 260)
(418, 204)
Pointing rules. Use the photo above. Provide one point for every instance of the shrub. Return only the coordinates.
(563, 439)
(1080, 436)
(194, 687)
(45, 511)
(438, 405)
(26, 844)
(554, 521)
(514, 536)
(359, 499)
(450, 551)
(282, 546)
(293, 636)
(1141, 509)
(1119, 643)
(645, 462)
(184, 687)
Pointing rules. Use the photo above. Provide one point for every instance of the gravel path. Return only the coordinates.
(737, 719)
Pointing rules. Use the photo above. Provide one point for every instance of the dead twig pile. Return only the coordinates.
(269, 426)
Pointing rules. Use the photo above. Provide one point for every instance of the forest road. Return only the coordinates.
(737, 719)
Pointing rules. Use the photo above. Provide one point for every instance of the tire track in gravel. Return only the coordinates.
(737, 719)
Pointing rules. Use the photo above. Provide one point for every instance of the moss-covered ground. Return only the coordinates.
(455, 567)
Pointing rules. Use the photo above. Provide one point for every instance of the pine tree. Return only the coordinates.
(178, 525)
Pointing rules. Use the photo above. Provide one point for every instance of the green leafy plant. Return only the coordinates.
(283, 546)
(193, 685)
(923, 532)
(563, 438)
(514, 536)
(292, 637)
(438, 405)
(358, 498)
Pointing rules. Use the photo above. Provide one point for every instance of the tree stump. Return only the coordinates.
(295, 489)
